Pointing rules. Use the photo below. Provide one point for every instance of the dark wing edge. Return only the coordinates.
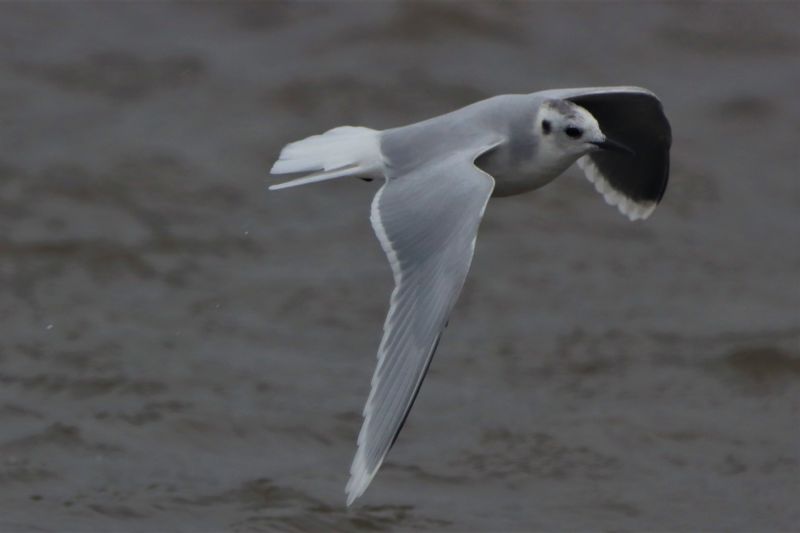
(635, 117)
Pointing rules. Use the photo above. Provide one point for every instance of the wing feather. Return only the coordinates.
(427, 222)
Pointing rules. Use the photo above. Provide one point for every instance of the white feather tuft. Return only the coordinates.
(340, 152)
(627, 206)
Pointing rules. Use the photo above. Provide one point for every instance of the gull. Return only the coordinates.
(439, 175)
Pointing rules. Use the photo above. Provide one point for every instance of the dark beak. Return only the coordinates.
(614, 146)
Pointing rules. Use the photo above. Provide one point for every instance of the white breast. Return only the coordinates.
(531, 174)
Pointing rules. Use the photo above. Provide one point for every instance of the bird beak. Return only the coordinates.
(613, 146)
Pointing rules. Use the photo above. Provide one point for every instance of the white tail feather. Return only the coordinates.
(340, 152)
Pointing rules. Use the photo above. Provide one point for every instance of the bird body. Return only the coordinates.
(439, 175)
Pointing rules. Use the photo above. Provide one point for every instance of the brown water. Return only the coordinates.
(183, 351)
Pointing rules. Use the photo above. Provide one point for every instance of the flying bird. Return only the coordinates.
(439, 175)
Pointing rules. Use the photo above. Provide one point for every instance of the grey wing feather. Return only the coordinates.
(634, 117)
(427, 222)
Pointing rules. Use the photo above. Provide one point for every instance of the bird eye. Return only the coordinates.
(546, 126)
(573, 132)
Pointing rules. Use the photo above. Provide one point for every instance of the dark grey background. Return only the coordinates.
(183, 351)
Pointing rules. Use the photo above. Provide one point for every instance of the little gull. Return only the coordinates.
(439, 175)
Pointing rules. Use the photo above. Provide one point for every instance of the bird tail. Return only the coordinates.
(337, 153)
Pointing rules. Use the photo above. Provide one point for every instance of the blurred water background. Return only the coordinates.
(183, 351)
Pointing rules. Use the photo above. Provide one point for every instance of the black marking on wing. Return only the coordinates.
(416, 391)
(636, 120)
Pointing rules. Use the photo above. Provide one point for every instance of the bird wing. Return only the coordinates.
(634, 117)
(427, 222)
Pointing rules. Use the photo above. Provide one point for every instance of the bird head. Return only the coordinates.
(569, 129)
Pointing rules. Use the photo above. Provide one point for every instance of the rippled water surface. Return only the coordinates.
(183, 351)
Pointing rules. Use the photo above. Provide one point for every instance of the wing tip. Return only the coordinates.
(360, 478)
